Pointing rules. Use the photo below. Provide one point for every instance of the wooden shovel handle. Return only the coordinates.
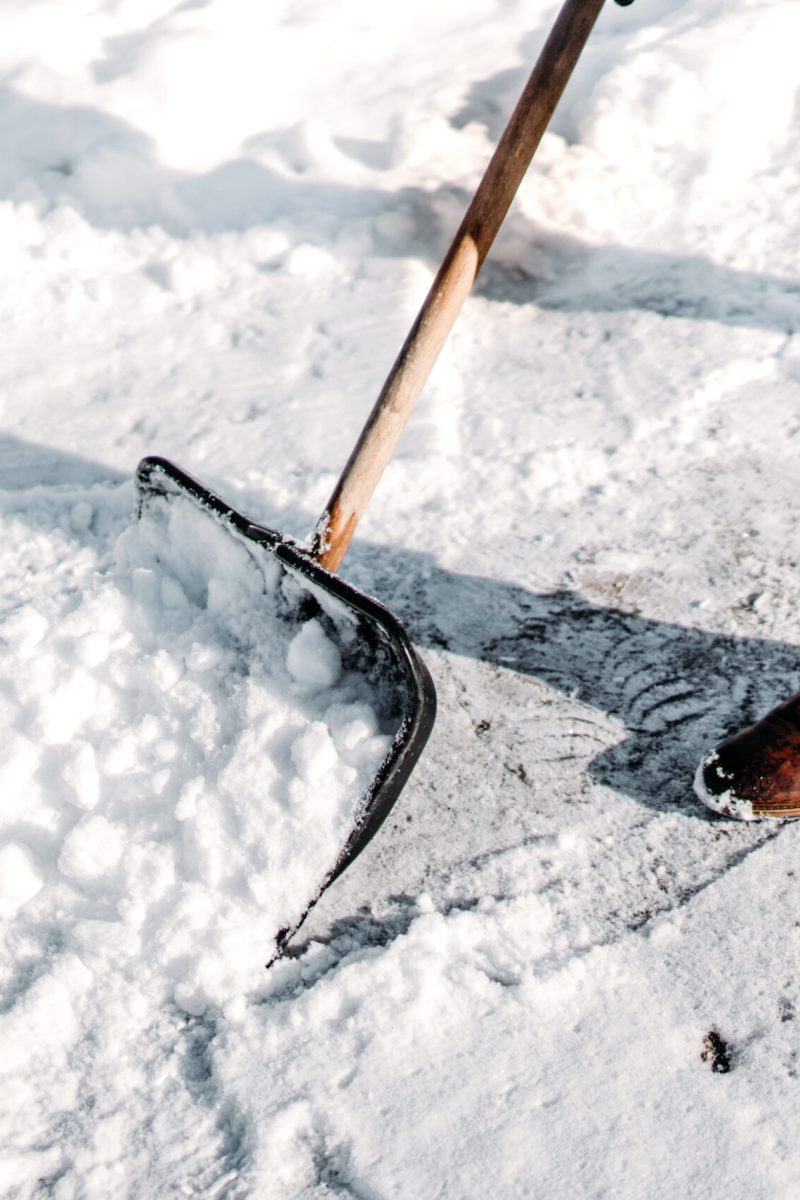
(454, 281)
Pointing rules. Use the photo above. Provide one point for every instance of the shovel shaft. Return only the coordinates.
(453, 283)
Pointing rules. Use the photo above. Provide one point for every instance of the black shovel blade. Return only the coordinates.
(381, 649)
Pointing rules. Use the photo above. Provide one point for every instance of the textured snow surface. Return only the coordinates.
(217, 221)
(201, 759)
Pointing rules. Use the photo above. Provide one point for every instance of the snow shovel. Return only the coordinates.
(389, 649)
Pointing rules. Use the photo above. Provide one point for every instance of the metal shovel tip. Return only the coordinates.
(311, 698)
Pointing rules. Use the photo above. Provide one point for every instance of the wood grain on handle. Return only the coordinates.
(454, 280)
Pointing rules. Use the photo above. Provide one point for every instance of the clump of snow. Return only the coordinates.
(202, 758)
(92, 850)
(19, 879)
(313, 659)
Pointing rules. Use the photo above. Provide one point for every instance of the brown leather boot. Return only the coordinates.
(756, 773)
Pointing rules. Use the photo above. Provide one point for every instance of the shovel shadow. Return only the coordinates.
(678, 690)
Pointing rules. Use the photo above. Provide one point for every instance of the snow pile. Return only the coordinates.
(183, 758)
(196, 762)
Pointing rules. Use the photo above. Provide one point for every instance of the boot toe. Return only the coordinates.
(716, 788)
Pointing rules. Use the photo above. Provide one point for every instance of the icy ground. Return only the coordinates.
(218, 219)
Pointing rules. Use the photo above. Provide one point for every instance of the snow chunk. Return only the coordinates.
(26, 629)
(80, 775)
(19, 879)
(314, 753)
(81, 516)
(91, 850)
(313, 660)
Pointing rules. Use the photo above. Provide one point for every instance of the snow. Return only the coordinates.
(217, 223)
(312, 658)
(206, 741)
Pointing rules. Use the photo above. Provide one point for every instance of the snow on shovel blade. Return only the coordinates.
(333, 703)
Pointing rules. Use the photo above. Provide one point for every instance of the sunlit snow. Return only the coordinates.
(217, 222)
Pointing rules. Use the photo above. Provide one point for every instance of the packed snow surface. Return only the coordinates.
(217, 222)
